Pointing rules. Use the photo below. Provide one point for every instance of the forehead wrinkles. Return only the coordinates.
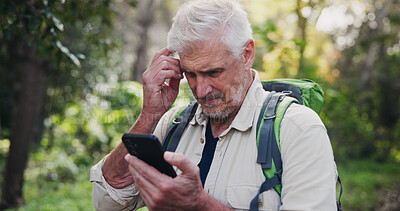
(202, 63)
(205, 55)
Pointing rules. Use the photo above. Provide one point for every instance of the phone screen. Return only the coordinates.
(148, 148)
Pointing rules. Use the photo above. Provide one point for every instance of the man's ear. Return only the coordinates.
(249, 54)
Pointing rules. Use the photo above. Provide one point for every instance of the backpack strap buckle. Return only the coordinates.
(287, 92)
(175, 130)
(269, 117)
(176, 121)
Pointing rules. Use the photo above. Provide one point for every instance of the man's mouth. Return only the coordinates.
(211, 99)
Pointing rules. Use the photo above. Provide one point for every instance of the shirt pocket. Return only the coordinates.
(240, 196)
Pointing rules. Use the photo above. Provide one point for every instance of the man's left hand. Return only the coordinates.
(161, 192)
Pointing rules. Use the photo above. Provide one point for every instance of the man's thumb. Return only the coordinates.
(180, 161)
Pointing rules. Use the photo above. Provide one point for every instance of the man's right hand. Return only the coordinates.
(158, 96)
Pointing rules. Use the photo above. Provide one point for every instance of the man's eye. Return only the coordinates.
(191, 75)
(213, 73)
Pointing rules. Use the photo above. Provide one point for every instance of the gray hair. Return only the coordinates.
(202, 20)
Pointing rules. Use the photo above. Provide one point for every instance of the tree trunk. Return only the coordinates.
(301, 35)
(26, 120)
(373, 55)
(145, 21)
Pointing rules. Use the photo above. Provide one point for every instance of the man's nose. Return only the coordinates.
(203, 87)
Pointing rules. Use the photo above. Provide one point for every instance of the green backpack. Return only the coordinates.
(283, 92)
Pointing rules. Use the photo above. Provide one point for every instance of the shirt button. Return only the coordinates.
(260, 204)
(202, 140)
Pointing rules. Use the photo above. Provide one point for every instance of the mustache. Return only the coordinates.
(211, 96)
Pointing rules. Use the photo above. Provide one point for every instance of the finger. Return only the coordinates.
(159, 79)
(182, 162)
(146, 196)
(169, 74)
(168, 65)
(147, 179)
(131, 162)
(168, 59)
(145, 188)
(164, 52)
(174, 83)
(146, 171)
(174, 67)
(158, 75)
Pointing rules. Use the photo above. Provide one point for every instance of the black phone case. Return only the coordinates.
(148, 148)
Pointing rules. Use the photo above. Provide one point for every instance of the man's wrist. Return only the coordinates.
(115, 171)
(146, 123)
(120, 182)
(150, 117)
(205, 202)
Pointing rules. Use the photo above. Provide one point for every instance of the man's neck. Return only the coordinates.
(221, 124)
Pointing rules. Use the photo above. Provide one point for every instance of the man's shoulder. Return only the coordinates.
(171, 114)
(166, 121)
(175, 111)
(301, 116)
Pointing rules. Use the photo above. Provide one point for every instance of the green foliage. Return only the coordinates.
(54, 166)
(41, 194)
(68, 37)
(94, 126)
(364, 114)
(41, 23)
(185, 95)
(364, 182)
(267, 33)
(279, 56)
(361, 109)
(88, 107)
(352, 130)
(88, 129)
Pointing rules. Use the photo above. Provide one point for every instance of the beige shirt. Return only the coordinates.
(309, 171)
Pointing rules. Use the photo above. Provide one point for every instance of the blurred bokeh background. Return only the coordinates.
(70, 74)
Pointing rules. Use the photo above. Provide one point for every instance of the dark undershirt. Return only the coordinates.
(208, 153)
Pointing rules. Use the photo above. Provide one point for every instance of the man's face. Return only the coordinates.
(216, 78)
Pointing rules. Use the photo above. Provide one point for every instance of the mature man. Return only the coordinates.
(216, 156)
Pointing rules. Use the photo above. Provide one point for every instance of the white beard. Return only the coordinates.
(237, 95)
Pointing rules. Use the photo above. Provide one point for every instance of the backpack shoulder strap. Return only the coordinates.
(269, 155)
(338, 203)
(175, 130)
(268, 140)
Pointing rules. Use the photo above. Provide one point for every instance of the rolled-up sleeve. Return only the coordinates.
(105, 197)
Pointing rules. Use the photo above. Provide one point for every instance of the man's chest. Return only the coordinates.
(234, 175)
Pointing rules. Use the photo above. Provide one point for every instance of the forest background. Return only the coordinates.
(70, 74)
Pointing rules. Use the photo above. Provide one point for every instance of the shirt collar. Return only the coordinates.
(244, 119)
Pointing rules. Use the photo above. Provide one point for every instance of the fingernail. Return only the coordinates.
(127, 157)
(167, 155)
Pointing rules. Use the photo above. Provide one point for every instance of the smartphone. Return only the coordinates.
(148, 148)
